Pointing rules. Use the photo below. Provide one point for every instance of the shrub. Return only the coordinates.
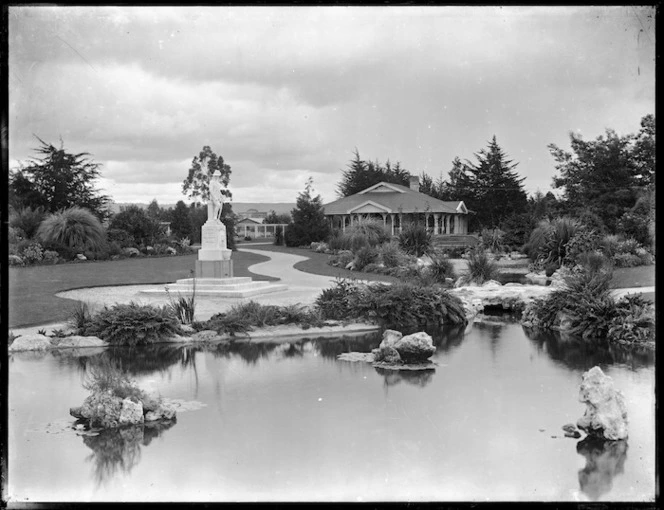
(391, 255)
(136, 222)
(32, 253)
(120, 237)
(610, 244)
(114, 248)
(364, 256)
(65, 252)
(627, 260)
(339, 301)
(80, 317)
(366, 232)
(415, 239)
(184, 307)
(15, 260)
(493, 239)
(27, 220)
(440, 268)
(582, 241)
(548, 242)
(633, 322)
(15, 235)
(106, 378)
(246, 316)
(133, 324)
(342, 259)
(455, 252)
(481, 267)
(50, 257)
(584, 302)
(75, 228)
(279, 235)
(407, 306)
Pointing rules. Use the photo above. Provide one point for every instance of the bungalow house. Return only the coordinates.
(398, 205)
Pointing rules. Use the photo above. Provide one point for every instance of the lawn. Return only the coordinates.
(32, 299)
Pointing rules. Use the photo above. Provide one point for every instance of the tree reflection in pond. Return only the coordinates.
(604, 460)
(119, 449)
(330, 348)
(580, 354)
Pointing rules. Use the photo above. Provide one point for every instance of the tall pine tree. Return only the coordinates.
(309, 222)
(490, 187)
(361, 175)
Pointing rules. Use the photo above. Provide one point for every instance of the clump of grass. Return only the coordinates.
(440, 268)
(184, 307)
(74, 227)
(415, 239)
(481, 268)
(80, 317)
(107, 378)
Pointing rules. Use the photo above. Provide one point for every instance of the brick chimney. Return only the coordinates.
(414, 183)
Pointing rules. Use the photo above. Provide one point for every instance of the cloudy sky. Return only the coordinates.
(284, 93)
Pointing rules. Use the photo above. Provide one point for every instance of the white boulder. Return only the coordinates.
(35, 342)
(606, 414)
(131, 412)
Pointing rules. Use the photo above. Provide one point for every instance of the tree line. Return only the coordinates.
(607, 182)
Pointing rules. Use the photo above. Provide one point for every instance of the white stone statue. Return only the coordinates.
(216, 197)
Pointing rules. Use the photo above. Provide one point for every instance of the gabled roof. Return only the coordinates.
(392, 198)
(257, 221)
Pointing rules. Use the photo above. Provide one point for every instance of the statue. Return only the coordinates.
(216, 197)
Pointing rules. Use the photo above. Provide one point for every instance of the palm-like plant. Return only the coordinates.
(74, 227)
(28, 220)
(481, 267)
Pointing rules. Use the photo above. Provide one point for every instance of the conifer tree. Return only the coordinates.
(491, 187)
(309, 223)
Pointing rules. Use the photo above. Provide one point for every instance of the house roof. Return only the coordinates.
(388, 198)
(250, 221)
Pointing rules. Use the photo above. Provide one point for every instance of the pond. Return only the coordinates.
(290, 422)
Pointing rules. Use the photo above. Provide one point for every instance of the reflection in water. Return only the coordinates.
(604, 460)
(580, 354)
(330, 348)
(448, 338)
(415, 377)
(119, 449)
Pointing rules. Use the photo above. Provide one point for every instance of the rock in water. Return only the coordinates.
(131, 412)
(386, 354)
(390, 337)
(416, 347)
(606, 415)
(35, 342)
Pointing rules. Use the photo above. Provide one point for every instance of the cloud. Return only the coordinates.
(296, 89)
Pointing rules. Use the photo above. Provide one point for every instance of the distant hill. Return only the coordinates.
(238, 207)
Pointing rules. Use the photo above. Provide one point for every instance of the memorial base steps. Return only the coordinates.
(232, 287)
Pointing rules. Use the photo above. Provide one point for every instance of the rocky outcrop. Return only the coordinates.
(43, 343)
(105, 410)
(606, 414)
(508, 297)
(396, 348)
(30, 343)
(398, 352)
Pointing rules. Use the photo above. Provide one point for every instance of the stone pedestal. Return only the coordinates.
(214, 259)
(214, 268)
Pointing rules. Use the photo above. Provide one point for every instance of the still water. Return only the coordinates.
(291, 422)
